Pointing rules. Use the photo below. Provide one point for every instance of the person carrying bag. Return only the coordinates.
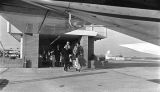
(77, 55)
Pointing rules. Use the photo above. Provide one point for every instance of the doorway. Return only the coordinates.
(49, 45)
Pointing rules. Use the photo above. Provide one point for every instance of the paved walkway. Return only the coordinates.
(139, 77)
(2, 70)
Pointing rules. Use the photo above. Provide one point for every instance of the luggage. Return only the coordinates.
(76, 64)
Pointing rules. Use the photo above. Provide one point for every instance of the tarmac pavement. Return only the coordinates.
(128, 77)
(2, 70)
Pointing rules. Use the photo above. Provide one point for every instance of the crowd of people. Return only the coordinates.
(69, 56)
(72, 56)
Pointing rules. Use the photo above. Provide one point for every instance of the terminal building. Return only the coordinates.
(44, 24)
(36, 48)
(42, 29)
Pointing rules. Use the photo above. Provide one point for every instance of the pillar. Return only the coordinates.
(88, 45)
(21, 48)
(31, 49)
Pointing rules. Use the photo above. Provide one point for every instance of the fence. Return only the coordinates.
(11, 63)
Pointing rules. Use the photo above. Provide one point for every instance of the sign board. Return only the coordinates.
(98, 28)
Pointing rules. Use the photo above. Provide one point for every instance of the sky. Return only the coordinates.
(117, 43)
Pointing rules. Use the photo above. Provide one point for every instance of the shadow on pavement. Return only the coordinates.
(111, 65)
(155, 80)
(58, 77)
(121, 65)
(3, 83)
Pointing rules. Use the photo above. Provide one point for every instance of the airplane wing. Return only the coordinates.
(136, 18)
(142, 22)
(31, 18)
